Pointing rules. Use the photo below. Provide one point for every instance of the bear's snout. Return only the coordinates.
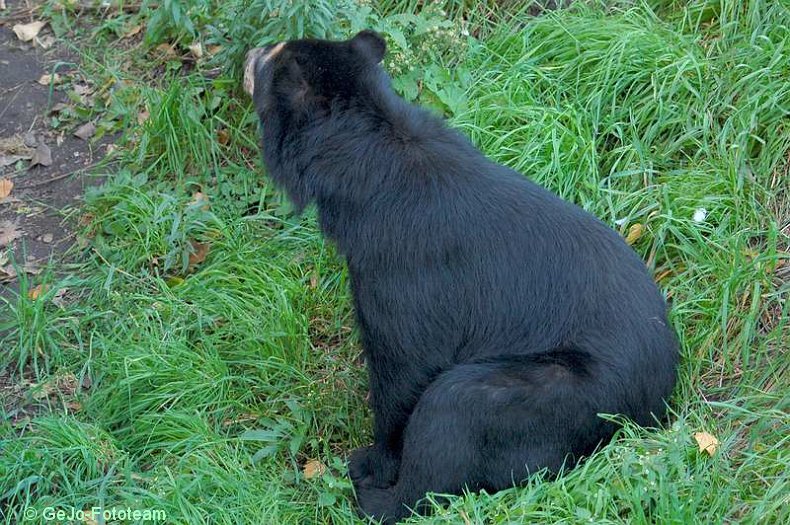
(257, 57)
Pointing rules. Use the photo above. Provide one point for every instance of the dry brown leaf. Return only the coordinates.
(7, 273)
(167, 51)
(35, 292)
(5, 188)
(48, 79)
(133, 31)
(706, 442)
(10, 160)
(82, 89)
(634, 233)
(223, 137)
(59, 299)
(199, 253)
(45, 42)
(9, 232)
(42, 156)
(85, 131)
(313, 468)
(314, 281)
(86, 219)
(14, 145)
(213, 50)
(143, 116)
(196, 49)
(27, 32)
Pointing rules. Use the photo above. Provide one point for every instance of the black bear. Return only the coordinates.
(498, 321)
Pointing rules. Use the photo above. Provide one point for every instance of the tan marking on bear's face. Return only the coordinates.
(250, 65)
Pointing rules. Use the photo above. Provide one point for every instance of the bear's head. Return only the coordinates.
(302, 77)
(317, 100)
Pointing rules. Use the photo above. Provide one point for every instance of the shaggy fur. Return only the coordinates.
(497, 320)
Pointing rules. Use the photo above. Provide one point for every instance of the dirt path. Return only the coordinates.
(32, 224)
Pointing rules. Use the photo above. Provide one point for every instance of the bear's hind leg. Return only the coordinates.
(488, 426)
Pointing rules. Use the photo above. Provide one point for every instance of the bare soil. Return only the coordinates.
(34, 227)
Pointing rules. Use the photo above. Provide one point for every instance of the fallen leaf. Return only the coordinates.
(196, 49)
(9, 232)
(634, 233)
(707, 442)
(30, 140)
(45, 42)
(133, 31)
(213, 50)
(85, 131)
(31, 268)
(143, 116)
(199, 253)
(7, 273)
(223, 137)
(27, 32)
(82, 89)
(314, 281)
(10, 160)
(167, 51)
(35, 292)
(47, 79)
(42, 156)
(174, 281)
(86, 219)
(14, 145)
(313, 468)
(199, 198)
(5, 188)
(59, 299)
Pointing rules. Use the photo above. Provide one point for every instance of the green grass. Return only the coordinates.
(142, 378)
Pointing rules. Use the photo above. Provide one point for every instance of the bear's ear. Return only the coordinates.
(370, 44)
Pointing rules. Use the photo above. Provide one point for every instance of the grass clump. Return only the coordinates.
(208, 340)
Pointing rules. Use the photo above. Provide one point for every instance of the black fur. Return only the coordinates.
(497, 319)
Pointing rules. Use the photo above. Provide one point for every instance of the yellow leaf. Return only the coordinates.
(5, 188)
(36, 291)
(27, 32)
(634, 233)
(707, 442)
(313, 468)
